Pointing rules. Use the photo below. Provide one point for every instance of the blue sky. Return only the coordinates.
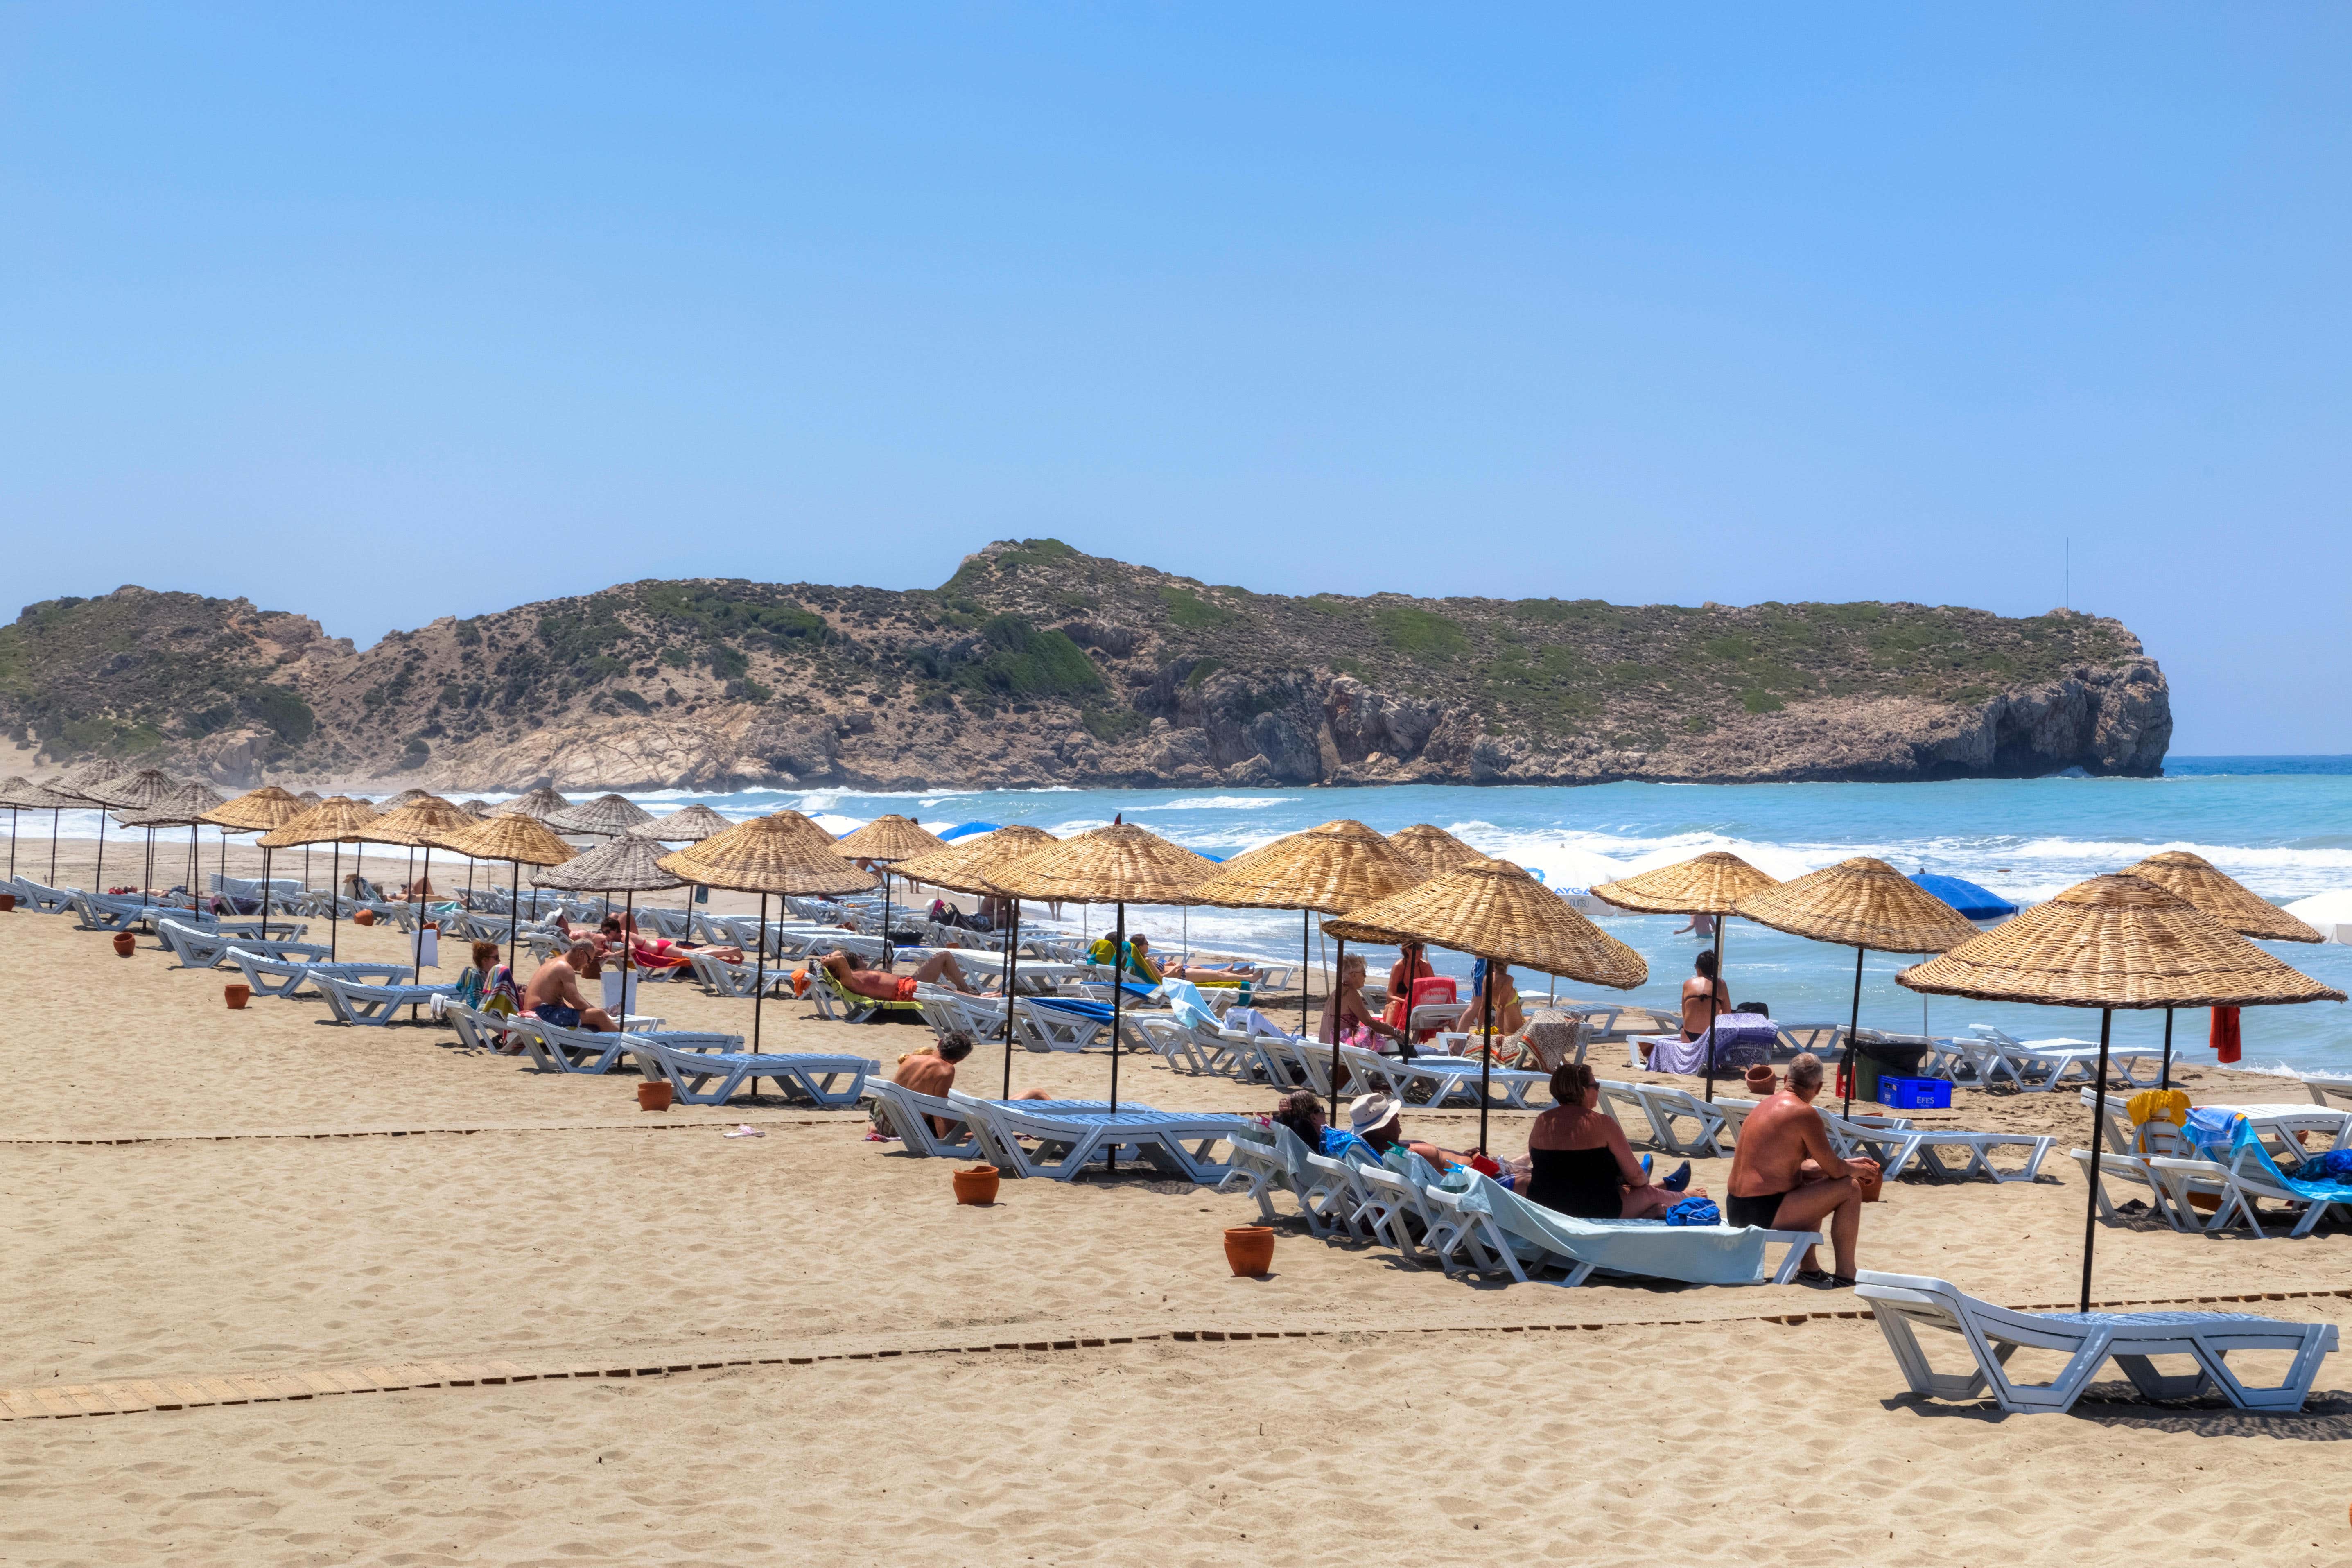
(383, 313)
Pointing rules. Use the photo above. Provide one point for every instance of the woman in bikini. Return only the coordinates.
(1582, 1165)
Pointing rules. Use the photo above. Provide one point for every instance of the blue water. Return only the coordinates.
(2281, 825)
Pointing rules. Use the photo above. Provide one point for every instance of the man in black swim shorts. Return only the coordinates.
(1785, 1176)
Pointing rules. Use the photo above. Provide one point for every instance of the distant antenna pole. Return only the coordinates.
(2070, 573)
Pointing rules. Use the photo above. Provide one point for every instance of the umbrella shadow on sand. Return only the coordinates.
(2324, 1417)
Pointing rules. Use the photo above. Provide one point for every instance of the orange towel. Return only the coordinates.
(2223, 1035)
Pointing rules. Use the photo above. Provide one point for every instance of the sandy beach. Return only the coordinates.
(647, 1341)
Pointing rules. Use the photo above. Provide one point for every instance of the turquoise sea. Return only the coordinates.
(2281, 825)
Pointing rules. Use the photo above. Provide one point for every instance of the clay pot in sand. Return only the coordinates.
(654, 1094)
(1250, 1249)
(7, 902)
(236, 995)
(976, 1185)
(125, 944)
(364, 918)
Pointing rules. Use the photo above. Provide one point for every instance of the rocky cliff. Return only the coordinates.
(1036, 664)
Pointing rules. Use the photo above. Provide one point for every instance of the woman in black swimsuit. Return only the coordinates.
(1582, 1165)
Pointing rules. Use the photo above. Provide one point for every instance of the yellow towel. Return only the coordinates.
(2150, 1104)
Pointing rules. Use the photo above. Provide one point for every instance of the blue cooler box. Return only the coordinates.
(1914, 1094)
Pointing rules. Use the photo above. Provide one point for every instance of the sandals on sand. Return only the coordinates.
(1820, 1279)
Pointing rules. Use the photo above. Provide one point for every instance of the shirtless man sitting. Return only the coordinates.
(932, 1071)
(1785, 1176)
(860, 981)
(554, 993)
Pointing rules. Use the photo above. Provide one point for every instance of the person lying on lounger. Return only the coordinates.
(554, 993)
(656, 951)
(860, 981)
(1785, 1176)
(1198, 973)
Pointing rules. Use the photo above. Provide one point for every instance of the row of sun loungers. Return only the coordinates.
(2175, 1172)
(1688, 1127)
(1482, 1228)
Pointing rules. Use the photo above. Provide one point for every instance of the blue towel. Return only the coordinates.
(2335, 1164)
(1694, 1211)
(2212, 1128)
(1084, 1006)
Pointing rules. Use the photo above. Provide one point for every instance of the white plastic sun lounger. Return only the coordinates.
(204, 947)
(1666, 1108)
(42, 898)
(2165, 1198)
(721, 978)
(1903, 1302)
(495, 1032)
(910, 1115)
(2054, 1062)
(351, 1002)
(1497, 1227)
(1436, 1080)
(594, 1051)
(1068, 1137)
(804, 1075)
(273, 976)
(1897, 1145)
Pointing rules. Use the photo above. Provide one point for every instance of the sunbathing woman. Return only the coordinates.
(1199, 973)
(1348, 1014)
(860, 981)
(1582, 1165)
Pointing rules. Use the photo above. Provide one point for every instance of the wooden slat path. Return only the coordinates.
(140, 1394)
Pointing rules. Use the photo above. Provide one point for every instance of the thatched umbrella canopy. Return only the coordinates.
(2114, 942)
(338, 820)
(626, 865)
(691, 825)
(309, 798)
(387, 806)
(1434, 849)
(1332, 868)
(184, 806)
(539, 803)
(78, 783)
(770, 855)
(885, 840)
(1497, 912)
(20, 793)
(475, 808)
(1862, 903)
(967, 866)
(608, 815)
(2208, 888)
(1709, 884)
(257, 811)
(520, 839)
(1120, 864)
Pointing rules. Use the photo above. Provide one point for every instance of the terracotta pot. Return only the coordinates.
(1250, 1249)
(364, 918)
(238, 995)
(2209, 1202)
(654, 1094)
(1868, 1176)
(7, 902)
(125, 943)
(976, 1186)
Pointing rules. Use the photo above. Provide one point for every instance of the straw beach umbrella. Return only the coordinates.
(129, 792)
(183, 807)
(417, 825)
(45, 798)
(1709, 884)
(1864, 904)
(691, 825)
(520, 840)
(1332, 869)
(1434, 849)
(1497, 913)
(966, 868)
(885, 840)
(627, 865)
(2213, 891)
(767, 856)
(257, 811)
(21, 793)
(2113, 941)
(1120, 864)
(607, 816)
(338, 820)
(538, 804)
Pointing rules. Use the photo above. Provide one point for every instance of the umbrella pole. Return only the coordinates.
(417, 957)
(223, 860)
(1305, 954)
(2098, 1139)
(887, 961)
(514, 905)
(628, 948)
(760, 970)
(1852, 1028)
(1012, 984)
(2165, 1080)
(12, 843)
(265, 893)
(1117, 996)
(57, 818)
(1714, 1007)
(1331, 1000)
(1487, 1068)
(97, 875)
(335, 902)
